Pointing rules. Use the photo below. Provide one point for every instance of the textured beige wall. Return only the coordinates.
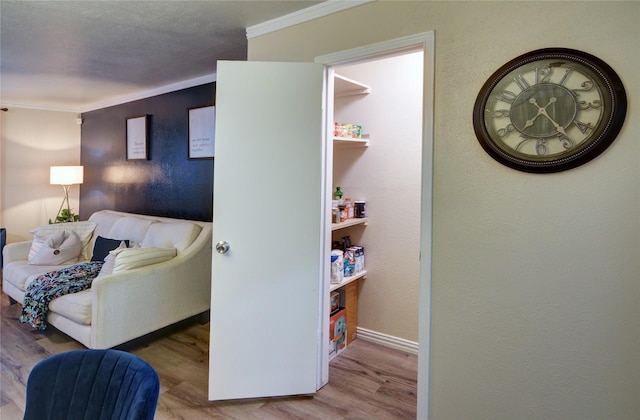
(536, 278)
(32, 141)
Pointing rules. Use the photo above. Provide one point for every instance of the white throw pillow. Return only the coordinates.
(130, 258)
(177, 235)
(110, 260)
(84, 230)
(59, 249)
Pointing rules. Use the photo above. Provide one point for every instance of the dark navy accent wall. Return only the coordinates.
(168, 184)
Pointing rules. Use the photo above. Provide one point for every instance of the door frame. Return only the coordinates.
(426, 42)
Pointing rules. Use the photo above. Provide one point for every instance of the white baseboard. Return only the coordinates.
(387, 340)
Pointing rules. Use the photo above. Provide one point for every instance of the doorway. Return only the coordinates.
(362, 59)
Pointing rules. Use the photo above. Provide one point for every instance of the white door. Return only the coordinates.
(268, 186)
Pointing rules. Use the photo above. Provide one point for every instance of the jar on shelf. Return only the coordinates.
(337, 129)
(349, 208)
(343, 212)
(360, 211)
(335, 215)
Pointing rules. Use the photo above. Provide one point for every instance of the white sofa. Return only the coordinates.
(132, 302)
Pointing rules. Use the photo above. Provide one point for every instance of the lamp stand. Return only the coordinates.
(65, 199)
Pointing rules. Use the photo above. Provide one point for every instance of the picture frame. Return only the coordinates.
(138, 137)
(201, 137)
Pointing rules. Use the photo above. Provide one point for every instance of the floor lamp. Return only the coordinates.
(66, 176)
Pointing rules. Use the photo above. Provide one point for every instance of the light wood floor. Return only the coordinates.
(367, 381)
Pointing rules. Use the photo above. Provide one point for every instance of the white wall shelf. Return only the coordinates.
(347, 280)
(350, 141)
(343, 86)
(349, 222)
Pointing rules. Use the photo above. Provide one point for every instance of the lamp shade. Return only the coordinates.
(66, 175)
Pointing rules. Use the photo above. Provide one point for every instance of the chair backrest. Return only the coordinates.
(92, 384)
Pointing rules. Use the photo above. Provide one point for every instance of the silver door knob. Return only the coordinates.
(222, 247)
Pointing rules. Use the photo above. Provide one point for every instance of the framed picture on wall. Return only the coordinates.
(138, 138)
(202, 121)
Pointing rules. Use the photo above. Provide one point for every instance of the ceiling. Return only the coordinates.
(83, 55)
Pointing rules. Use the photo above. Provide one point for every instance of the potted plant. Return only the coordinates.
(66, 216)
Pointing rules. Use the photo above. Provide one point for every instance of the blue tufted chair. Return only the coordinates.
(92, 384)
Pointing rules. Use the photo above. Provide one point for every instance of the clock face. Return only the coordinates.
(550, 110)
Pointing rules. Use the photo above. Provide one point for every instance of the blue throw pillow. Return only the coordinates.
(103, 246)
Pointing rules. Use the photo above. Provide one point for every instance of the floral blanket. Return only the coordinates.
(53, 284)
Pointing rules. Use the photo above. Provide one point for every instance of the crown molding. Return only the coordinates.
(38, 107)
(310, 13)
(151, 92)
(185, 84)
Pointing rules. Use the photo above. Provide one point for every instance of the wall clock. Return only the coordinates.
(549, 110)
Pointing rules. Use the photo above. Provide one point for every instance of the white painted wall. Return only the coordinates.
(387, 175)
(536, 278)
(33, 141)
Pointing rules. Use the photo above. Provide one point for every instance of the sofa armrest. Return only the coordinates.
(16, 251)
(129, 304)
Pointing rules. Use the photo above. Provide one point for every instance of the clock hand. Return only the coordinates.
(530, 122)
(558, 127)
(543, 111)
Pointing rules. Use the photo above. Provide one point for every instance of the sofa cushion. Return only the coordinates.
(130, 258)
(20, 273)
(60, 249)
(104, 221)
(83, 229)
(103, 245)
(75, 306)
(177, 235)
(130, 227)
